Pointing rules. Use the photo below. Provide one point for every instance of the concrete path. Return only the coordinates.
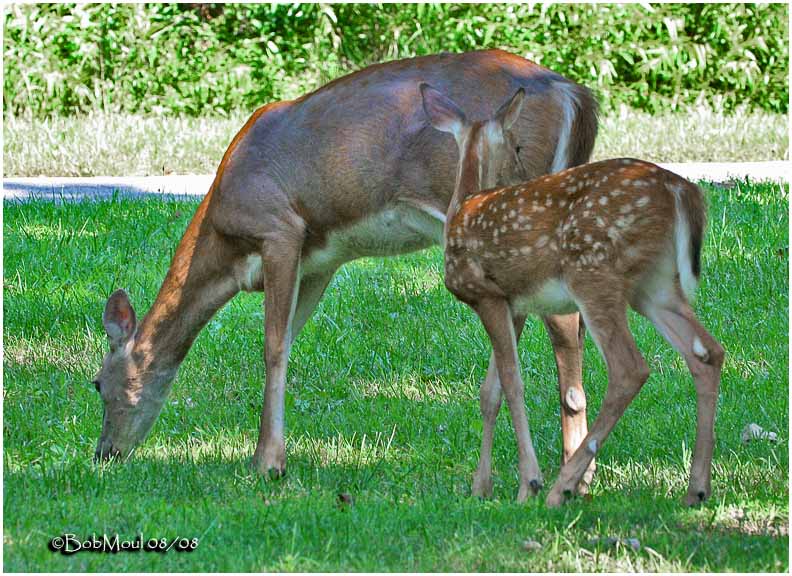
(196, 186)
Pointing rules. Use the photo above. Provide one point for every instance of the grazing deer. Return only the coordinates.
(594, 238)
(350, 170)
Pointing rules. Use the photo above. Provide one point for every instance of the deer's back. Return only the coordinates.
(359, 143)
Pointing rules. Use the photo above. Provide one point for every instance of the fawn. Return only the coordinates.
(594, 238)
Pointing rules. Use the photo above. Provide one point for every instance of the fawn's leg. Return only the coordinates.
(490, 402)
(281, 263)
(704, 356)
(627, 372)
(567, 335)
(496, 316)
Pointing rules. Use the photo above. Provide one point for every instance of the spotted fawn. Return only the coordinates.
(595, 238)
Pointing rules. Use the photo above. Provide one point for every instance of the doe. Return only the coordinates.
(594, 238)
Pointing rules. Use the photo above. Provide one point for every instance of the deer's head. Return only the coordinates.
(492, 141)
(131, 402)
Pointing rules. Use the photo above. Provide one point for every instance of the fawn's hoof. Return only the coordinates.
(482, 487)
(533, 488)
(696, 497)
(558, 496)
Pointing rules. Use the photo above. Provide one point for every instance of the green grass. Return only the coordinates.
(155, 145)
(382, 405)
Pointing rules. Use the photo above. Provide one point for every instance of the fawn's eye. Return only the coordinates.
(517, 150)
(97, 385)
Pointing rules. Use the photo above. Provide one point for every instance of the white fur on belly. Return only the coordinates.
(552, 297)
(395, 230)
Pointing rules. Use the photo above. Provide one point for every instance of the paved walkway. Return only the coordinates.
(195, 186)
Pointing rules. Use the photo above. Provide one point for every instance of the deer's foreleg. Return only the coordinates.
(281, 262)
(497, 319)
(490, 398)
(310, 292)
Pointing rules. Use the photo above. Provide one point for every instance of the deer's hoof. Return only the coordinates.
(270, 464)
(558, 496)
(532, 488)
(696, 497)
(482, 487)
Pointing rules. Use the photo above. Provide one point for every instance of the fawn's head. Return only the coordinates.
(488, 145)
(131, 404)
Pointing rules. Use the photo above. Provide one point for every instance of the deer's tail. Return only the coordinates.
(578, 130)
(689, 225)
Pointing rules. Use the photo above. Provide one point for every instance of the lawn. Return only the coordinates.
(382, 408)
(155, 145)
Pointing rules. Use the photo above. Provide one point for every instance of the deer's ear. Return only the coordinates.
(508, 114)
(119, 319)
(442, 112)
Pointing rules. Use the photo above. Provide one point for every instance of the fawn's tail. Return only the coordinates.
(691, 220)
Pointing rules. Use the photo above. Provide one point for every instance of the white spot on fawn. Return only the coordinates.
(699, 350)
(642, 201)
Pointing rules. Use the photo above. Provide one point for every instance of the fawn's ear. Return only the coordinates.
(119, 319)
(442, 112)
(508, 114)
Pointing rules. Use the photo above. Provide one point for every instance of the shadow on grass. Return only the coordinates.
(397, 512)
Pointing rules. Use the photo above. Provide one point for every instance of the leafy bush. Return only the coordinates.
(193, 59)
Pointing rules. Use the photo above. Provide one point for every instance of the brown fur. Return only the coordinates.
(302, 171)
(597, 237)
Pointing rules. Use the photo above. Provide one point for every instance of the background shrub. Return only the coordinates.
(200, 58)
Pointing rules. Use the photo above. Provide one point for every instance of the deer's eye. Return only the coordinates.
(517, 150)
(97, 385)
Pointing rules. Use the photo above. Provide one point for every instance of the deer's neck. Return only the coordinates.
(468, 178)
(195, 287)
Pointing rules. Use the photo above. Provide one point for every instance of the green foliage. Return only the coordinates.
(62, 58)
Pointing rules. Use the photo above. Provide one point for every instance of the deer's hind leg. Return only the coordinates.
(567, 335)
(627, 372)
(678, 324)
